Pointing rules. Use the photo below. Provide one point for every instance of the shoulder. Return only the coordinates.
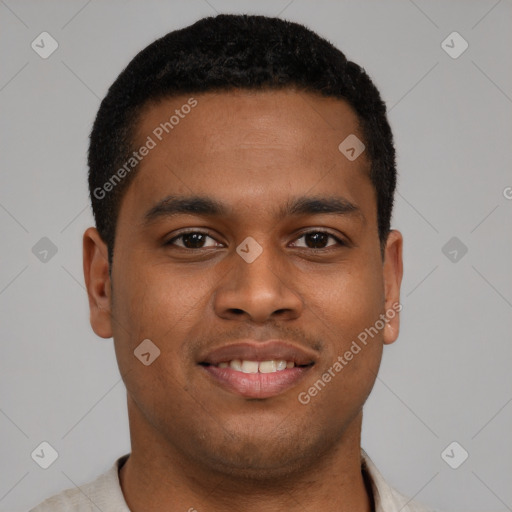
(104, 493)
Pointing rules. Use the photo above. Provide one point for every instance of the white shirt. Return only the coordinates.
(105, 494)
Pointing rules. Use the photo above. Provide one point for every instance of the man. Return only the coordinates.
(242, 174)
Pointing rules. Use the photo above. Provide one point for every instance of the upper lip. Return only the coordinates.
(251, 350)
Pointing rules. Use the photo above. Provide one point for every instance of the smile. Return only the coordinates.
(249, 381)
(245, 366)
(256, 369)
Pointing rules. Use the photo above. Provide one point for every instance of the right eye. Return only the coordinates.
(191, 240)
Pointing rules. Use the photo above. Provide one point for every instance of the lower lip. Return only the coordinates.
(257, 385)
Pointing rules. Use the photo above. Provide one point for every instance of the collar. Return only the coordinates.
(384, 497)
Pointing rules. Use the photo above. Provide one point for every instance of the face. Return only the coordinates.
(247, 251)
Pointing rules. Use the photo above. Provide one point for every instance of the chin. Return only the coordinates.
(261, 457)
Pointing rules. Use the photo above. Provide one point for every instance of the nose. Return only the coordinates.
(259, 290)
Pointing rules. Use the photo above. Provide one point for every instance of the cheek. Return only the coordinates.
(154, 297)
(347, 311)
(353, 352)
(153, 303)
(347, 302)
(150, 304)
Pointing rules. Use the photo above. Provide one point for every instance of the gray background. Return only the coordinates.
(448, 376)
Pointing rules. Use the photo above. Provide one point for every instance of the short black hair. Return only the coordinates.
(223, 53)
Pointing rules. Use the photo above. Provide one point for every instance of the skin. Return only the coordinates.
(194, 444)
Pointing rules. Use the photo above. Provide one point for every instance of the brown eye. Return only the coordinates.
(191, 240)
(318, 240)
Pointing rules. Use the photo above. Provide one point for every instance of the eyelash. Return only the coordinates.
(339, 241)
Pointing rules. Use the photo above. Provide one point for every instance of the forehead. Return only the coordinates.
(306, 122)
(248, 147)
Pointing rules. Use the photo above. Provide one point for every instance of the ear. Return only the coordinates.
(393, 272)
(97, 281)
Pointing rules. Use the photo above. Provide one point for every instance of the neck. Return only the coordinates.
(157, 474)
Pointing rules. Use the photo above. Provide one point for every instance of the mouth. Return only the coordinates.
(258, 369)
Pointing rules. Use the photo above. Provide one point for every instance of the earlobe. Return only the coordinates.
(97, 281)
(393, 272)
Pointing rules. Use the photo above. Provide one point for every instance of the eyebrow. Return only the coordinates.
(172, 206)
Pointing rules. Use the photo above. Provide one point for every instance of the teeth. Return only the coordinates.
(281, 365)
(268, 366)
(257, 366)
(236, 364)
(250, 366)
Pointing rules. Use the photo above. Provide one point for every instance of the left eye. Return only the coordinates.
(317, 239)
